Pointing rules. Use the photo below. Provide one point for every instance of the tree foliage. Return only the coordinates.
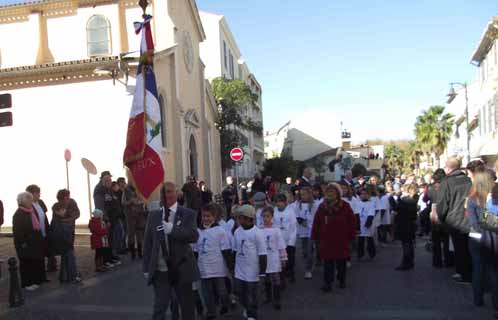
(433, 130)
(402, 157)
(233, 97)
(282, 167)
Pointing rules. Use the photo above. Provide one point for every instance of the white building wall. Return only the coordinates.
(25, 32)
(99, 134)
(211, 48)
(67, 37)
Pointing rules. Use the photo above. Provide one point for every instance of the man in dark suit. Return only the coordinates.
(305, 180)
(168, 262)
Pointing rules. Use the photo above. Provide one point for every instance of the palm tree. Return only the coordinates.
(433, 130)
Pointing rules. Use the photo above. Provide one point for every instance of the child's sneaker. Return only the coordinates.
(109, 265)
(117, 263)
(308, 275)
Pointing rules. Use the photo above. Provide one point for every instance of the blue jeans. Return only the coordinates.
(484, 267)
(68, 270)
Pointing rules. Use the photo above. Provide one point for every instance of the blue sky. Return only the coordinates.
(373, 64)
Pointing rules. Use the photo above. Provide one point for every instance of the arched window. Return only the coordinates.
(98, 36)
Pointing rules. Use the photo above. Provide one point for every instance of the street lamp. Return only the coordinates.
(451, 96)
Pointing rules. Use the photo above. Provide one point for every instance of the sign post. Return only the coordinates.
(67, 157)
(90, 169)
(236, 154)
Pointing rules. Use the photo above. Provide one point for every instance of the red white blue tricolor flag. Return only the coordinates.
(143, 152)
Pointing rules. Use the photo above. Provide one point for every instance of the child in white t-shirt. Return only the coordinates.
(284, 218)
(366, 214)
(305, 214)
(277, 256)
(259, 202)
(213, 252)
(250, 260)
(385, 216)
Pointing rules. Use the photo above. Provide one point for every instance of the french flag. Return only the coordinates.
(143, 152)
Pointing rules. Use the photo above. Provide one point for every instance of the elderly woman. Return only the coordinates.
(334, 228)
(28, 241)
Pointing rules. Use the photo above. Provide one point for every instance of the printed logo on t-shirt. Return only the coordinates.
(268, 247)
(203, 246)
(241, 252)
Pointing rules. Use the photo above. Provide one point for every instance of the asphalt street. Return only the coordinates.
(374, 291)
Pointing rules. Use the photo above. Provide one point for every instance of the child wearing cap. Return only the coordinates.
(99, 240)
(259, 201)
(277, 256)
(250, 260)
(213, 252)
(284, 218)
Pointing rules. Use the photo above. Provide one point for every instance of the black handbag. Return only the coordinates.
(489, 222)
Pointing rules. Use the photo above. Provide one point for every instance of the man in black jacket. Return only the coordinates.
(454, 191)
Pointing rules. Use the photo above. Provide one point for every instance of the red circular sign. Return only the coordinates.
(236, 154)
(67, 155)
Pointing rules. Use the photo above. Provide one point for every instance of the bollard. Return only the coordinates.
(16, 298)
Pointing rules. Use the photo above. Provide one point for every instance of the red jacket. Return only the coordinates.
(334, 231)
(99, 231)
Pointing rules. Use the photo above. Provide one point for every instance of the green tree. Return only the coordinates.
(395, 156)
(433, 130)
(280, 168)
(319, 166)
(233, 97)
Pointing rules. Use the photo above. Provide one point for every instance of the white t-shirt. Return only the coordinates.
(227, 225)
(259, 218)
(303, 211)
(366, 209)
(210, 260)
(248, 246)
(286, 221)
(274, 245)
(385, 205)
(353, 202)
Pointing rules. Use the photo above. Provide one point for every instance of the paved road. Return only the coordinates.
(375, 291)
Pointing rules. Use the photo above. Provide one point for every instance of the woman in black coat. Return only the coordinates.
(28, 241)
(406, 226)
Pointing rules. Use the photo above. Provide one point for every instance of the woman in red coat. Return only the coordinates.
(333, 230)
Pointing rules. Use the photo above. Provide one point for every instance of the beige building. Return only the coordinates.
(292, 142)
(70, 68)
(223, 58)
(482, 96)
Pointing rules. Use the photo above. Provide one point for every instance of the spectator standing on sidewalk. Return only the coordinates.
(62, 243)
(103, 200)
(482, 243)
(206, 194)
(136, 216)
(406, 225)
(41, 210)
(28, 241)
(230, 196)
(192, 194)
(99, 240)
(454, 190)
(441, 255)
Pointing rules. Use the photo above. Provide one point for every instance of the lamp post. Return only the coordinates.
(451, 96)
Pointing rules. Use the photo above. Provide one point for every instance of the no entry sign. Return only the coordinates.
(236, 154)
